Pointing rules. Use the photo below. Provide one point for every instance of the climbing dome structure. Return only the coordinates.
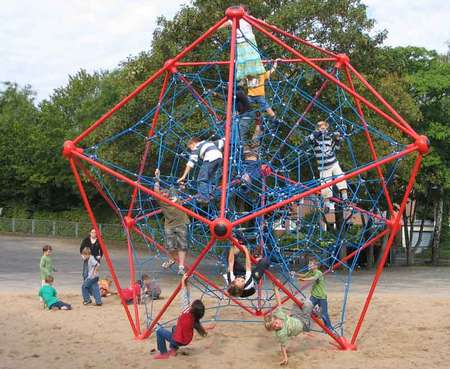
(279, 212)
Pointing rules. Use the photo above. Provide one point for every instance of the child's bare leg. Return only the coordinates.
(181, 258)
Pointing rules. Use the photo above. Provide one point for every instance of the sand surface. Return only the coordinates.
(407, 326)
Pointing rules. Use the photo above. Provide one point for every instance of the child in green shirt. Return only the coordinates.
(286, 325)
(318, 290)
(46, 264)
(48, 294)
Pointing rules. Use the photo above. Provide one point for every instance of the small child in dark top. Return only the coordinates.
(245, 117)
(242, 280)
(183, 332)
(251, 172)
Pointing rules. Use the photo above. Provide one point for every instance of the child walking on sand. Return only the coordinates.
(183, 332)
(49, 295)
(318, 290)
(90, 285)
(288, 325)
(46, 263)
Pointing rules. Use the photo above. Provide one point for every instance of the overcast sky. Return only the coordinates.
(42, 42)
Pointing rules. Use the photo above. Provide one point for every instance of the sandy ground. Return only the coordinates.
(407, 326)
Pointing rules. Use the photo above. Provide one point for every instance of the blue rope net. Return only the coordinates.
(194, 104)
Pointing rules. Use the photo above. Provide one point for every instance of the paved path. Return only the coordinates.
(19, 270)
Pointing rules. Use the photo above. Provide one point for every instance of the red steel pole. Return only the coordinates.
(266, 61)
(189, 272)
(133, 281)
(408, 150)
(199, 275)
(153, 77)
(147, 143)
(332, 78)
(335, 199)
(395, 229)
(189, 86)
(287, 34)
(101, 242)
(371, 145)
(226, 150)
(141, 187)
(342, 261)
(381, 99)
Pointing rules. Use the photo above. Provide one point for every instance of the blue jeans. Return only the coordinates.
(245, 121)
(59, 305)
(90, 287)
(323, 305)
(207, 178)
(260, 101)
(163, 335)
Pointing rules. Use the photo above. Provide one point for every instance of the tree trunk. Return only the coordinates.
(392, 252)
(409, 256)
(438, 212)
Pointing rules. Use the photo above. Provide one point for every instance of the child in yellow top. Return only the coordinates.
(256, 91)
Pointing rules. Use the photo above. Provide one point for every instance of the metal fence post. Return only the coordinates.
(77, 229)
(13, 225)
(32, 226)
(54, 229)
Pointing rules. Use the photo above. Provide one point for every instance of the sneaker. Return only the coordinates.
(172, 352)
(98, 304)
(168, 263)
(87, 302)
(161, 356)
(181, 270)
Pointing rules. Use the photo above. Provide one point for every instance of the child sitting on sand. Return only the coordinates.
(285, 325)
(242, 280)
(49, 295)
(183, 332)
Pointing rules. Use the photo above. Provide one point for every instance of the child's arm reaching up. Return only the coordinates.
(248, 262)
(185, 295)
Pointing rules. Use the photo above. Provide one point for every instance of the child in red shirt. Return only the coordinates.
(183, 332)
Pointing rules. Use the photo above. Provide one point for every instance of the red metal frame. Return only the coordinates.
(77, 158)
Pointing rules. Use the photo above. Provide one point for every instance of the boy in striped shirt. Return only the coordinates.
(210, 155)
(325, 144)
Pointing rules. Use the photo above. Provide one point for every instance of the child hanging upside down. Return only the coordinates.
(325, 144)
(242, 280)
(183, 332)
(288, 325)
(210, 154)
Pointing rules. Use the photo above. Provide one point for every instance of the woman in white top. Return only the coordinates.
(248, 58)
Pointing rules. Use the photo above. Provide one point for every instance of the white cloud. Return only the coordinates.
(42, 42)
(413, 22)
